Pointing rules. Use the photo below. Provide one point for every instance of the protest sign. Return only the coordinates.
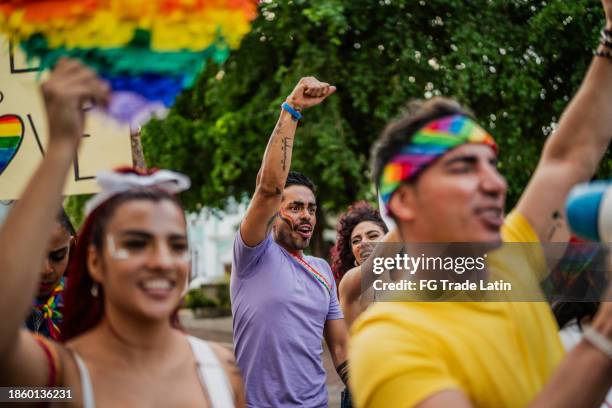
(23, 132)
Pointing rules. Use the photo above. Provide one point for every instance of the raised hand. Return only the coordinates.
(308, 92)
(607, 6)
(70, 87)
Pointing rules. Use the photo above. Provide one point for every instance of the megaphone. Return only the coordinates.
(589, 211)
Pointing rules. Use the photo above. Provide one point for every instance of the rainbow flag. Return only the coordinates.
(149, 50)
(11, 135)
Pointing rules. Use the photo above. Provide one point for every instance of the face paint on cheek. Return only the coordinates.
(286, 219)
(119, 254)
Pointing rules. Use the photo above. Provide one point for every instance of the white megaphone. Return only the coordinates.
(589, 211)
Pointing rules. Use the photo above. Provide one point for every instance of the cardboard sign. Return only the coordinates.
(23, 132)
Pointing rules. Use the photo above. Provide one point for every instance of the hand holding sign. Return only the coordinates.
(24, 128)
(71, 86)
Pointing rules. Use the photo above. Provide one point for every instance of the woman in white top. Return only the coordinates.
(129, 274)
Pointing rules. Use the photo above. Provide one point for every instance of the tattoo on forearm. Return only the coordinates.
(286, 146)
(270, 221)
(557, 220)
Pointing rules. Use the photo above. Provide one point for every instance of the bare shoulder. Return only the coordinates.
(350, 284)
(70, 372)
(392, 236)
(81, 342)
(226, 356)
(87, 346)
(37, 361)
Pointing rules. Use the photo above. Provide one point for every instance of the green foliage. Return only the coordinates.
(75, 208)
(516, 63)
(196, 299)
(223, 296)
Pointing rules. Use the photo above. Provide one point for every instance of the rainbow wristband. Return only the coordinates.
(294, 113)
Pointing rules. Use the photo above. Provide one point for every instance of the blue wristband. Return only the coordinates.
(294, 113)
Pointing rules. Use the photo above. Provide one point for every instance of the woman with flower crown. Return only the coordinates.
(129, 271)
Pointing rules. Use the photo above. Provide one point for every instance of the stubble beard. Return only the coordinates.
(284, 237)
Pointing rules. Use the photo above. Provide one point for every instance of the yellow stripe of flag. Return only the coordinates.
(10, 129)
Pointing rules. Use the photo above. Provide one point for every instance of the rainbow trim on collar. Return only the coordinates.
(426, 145)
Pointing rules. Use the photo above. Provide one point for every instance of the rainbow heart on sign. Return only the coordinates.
(11, 135)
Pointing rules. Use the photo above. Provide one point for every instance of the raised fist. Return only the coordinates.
(607, 6)
(308, 92)
(70, 87)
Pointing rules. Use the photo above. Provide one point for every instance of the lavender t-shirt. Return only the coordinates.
(280, 311)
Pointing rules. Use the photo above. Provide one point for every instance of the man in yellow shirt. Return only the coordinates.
(436, 172)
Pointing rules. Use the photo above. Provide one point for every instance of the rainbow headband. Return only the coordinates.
(427, 145)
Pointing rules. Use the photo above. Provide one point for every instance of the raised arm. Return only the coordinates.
(572, 153)
(27, 229)
(277, 161)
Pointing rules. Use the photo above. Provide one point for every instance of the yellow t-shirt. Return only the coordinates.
(499, 354)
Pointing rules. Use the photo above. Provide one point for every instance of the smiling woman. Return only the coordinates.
(126, 277)
(126, 234)
(357, 229)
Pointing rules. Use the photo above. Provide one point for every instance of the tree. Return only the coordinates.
(515, 63)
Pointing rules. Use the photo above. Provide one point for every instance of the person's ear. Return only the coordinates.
(94, 264)
(403, 203)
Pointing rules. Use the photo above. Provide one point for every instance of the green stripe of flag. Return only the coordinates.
(11, 141)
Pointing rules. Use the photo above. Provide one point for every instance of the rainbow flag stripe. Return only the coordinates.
(11, 135)
(154, 48)
(425, 146)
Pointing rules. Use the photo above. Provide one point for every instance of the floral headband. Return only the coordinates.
(115, 182)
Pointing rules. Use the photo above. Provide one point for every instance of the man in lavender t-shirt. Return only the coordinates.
(283, 302)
